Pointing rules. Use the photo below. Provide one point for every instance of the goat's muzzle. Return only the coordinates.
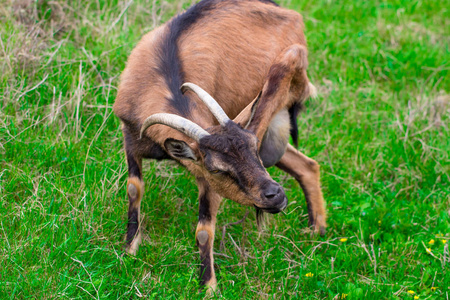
(273, 198)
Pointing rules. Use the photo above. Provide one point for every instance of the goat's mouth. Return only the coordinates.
(273, 209)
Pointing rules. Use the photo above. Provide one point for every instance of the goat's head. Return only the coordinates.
(225, 155)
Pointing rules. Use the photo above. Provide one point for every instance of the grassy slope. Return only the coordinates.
(380, 130)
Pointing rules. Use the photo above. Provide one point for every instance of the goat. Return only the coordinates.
(216, 128)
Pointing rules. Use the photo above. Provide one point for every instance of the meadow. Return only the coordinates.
(379, 129)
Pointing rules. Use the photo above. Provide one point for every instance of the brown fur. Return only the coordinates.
(289, 64)
(235, 50)
(134, 236)
(231, 149)
(233, 82)
(306, 171)
(139, 186)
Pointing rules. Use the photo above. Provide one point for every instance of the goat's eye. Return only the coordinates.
(218, 172)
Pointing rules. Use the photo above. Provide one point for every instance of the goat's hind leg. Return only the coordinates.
(306, 171)
(135, 190)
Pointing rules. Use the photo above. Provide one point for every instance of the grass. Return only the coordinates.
(379, 129)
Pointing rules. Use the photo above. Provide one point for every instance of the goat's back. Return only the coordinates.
(226, 47)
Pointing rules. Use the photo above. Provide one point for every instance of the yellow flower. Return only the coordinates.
(444, 241)
(416, 297)
(433, 288)
(428, 250)
(411, 292)
(343, 240)
(431, 242)
(343, 296)
(309, 274)
(379, 222)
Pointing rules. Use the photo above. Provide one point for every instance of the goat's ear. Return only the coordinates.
(246, 115)
(179, 149)
(253, 110)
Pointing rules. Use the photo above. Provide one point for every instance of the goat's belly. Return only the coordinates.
(275, 140)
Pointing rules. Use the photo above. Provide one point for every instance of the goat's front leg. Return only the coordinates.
(135, 190)
(306, 171)
(209, 202)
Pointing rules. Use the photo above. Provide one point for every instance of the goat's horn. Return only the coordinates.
(212, 104)
(181, 124)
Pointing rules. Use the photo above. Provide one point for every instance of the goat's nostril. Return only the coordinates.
(273, 198)
(270, 195)
(272, 191)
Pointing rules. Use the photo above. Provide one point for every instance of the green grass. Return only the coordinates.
(379, 129)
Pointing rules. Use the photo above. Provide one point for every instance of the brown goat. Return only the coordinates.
(234, 50)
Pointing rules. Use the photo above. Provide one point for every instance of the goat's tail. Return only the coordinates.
(295, 109)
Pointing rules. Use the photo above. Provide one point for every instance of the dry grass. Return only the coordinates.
(380, 130)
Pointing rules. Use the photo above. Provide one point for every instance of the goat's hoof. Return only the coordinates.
(210, 290)
(319, 230)
(322, 230)
(133, 247)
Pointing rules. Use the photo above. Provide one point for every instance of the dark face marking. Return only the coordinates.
(230, 155)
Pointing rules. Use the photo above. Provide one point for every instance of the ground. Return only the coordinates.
(379, 129)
